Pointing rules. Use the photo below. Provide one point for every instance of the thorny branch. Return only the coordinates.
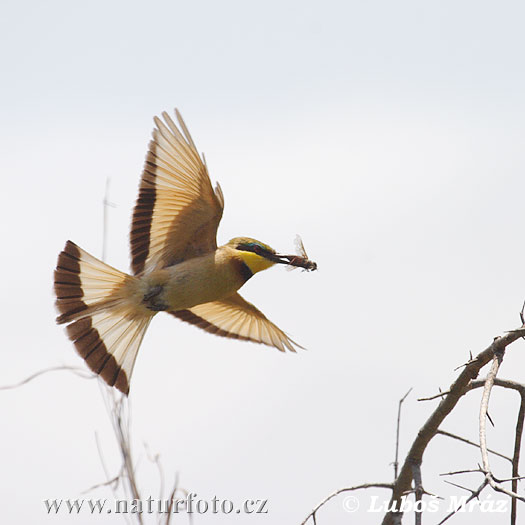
(489, 383)
(463, 440)
(446, 405)
(473, 495)
(520, 388)
(410, 470)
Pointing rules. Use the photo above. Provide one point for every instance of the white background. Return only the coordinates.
(388, 134)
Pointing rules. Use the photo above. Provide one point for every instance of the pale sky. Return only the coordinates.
(389, 135)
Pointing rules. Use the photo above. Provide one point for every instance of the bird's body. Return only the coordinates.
(209, 277)
(177, 267)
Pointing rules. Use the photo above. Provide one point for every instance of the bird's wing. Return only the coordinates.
(236, 318)
(177, 211)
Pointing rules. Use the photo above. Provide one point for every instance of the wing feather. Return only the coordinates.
(236, 318)
(177, 211)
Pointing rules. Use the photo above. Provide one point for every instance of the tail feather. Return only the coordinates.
(104, 324)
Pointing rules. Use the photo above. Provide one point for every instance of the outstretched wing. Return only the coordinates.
(236, 318)
(177, 211)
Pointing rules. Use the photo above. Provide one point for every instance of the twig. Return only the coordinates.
(105, 204)
(456, 472)
(172, 496)
(470, 361)
(346, 489)
(78, 371)
(396, 460)
(118, 411)
(435, 396)
(464, 440)
(109, 482)
(122, 431)
(514, 478)
(156, 460)
(473, 494)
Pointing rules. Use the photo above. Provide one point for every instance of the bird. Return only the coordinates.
(176, 267)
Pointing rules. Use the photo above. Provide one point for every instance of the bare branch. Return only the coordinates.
(418, 487)
(516, 457)
(78, 371)
(172, 496)
(396, 460)
(118, 412)
(467, 363)
(435, 396)
(514, 478)
(464, 440)
(520, 388)
(445, 406)
(110, 482)
(489, 383)
(456, 472)
(346, 489)
(474, 494)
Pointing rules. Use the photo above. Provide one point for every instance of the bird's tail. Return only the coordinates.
(103, 315)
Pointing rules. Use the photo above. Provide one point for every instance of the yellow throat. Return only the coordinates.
(255, 262)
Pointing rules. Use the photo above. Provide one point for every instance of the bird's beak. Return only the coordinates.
(277, 258)
(294, 260)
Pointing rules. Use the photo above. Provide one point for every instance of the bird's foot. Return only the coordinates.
(153, 301)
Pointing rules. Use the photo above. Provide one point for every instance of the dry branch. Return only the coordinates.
(473, 494)
(398, 426)
(520, 388)
(446, 405)
(346, 489)
(489, 383)
(75, 370)
(468, 442)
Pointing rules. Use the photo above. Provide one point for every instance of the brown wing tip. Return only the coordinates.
(92, 349)
(67, 284)
(122, 383)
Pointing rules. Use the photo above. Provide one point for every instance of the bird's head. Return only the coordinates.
(255, 254)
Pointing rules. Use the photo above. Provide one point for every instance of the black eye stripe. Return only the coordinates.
(251, 248)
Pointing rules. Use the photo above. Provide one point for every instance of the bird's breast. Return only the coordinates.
(195, 281)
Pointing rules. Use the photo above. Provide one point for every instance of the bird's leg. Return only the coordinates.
(152, 301)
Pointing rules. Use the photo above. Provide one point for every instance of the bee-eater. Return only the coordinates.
(176, 267)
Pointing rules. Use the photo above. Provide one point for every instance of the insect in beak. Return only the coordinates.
(300, 260)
